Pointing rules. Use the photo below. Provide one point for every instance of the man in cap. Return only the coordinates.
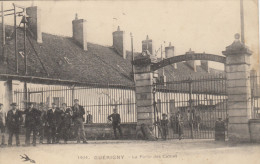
(164, 126)
(2, 124)
(32, 115)
(13, 121)
(53, 121)
(78, 113)
(66, 114)
(42, 122)
(116, 120)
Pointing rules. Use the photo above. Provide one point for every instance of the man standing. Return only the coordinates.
(42, 122)
(164, 126)
(53, 121)
(179, 119)
(2, 124)
(116, 122)
(78, 112)
(32, 116)
(13, 122)
(66, 114)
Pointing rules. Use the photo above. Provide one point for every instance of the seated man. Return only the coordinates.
(89, 119)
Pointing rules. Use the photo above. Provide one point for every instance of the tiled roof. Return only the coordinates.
(64, 59)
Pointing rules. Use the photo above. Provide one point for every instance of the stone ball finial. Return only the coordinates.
(76, 16)
(147, 37)
(237, 36)
(118, 28)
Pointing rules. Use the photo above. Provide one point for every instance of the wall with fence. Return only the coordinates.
(98, 100)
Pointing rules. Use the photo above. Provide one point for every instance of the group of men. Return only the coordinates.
(176, 123)
(56, 122)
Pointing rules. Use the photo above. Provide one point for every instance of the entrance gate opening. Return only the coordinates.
(200, 101)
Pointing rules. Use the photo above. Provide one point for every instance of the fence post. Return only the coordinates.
(238, 90)
(144, 95)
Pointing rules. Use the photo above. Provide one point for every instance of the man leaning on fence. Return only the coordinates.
(78, 112)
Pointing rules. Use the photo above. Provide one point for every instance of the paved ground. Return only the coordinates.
(125, 151)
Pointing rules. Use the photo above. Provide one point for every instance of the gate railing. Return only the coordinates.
(98, 101)
(201, 101)
(255, 95)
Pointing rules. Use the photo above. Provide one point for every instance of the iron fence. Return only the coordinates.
(200, 100)
(255, 95)
(98, 100)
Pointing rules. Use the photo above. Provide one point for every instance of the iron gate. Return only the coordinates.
(97, 100)
(200, 101)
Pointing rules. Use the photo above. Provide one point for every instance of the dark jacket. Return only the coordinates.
(66, 117)
(164, 123)
(89, 119)
(115, 118)
(54, 119)
(32, 117)
(78, 113)
(13, 121)
(43, 118)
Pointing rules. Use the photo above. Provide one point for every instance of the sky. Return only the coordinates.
(202, 25)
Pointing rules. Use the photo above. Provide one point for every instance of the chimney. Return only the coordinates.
(34, 22)
(169, 52)
(191, 63)
(79, 29)
(205, 65)
(148, 45)
(119, 42)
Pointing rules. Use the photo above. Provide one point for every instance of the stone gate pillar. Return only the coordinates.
(144, 95)
(237, 69)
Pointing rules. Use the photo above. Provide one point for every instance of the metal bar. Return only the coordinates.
(19, 6)
(12, 13)
(15, 42)
(6, 10)
(3, 32)
(242, 21)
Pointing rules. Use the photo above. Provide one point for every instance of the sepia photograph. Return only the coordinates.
(128, 81)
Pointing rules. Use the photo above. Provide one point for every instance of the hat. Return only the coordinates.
(164, 114)
(53, 104)
(41, 104)
(76, 99)
(63, 104)
(1, 104)
(13, 104)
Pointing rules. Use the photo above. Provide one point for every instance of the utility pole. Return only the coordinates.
(132, 48)
(242, 21)
(3, 33)
(15, 42)
(24, 21)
